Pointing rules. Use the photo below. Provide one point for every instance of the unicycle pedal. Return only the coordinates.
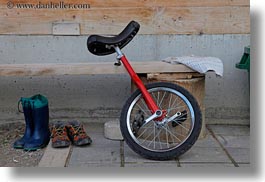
(180, 119)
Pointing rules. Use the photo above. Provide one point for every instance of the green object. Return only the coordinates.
(245, 60)
(36, 101)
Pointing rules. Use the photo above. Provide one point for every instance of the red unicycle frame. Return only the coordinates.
(155, 110)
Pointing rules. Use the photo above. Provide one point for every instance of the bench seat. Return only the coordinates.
(47, 69)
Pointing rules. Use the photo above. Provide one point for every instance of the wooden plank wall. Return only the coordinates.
(110, 16)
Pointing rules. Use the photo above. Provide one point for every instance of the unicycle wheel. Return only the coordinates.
(161, 140)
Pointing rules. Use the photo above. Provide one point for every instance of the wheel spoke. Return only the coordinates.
(176, 108)
(157, 98)
(167, 139)
(154, 138)
(147, 109)
(180, 124)
(171, 133)
(178, 105)
(146, 128)
(160, 142)
(142, 109)
(174, 102)
(169, 103)
(159, 105)
(146, 137)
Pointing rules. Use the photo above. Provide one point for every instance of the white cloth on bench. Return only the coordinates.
(200, 64)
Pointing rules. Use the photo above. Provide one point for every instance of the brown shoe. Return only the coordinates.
(77, 134)
(59, 135)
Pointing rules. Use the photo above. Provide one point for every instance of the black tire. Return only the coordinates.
(130, 132)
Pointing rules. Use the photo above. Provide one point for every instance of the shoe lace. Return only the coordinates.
(58, 132)
(79, 130)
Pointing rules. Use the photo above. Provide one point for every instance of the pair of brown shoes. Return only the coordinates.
(63, 133)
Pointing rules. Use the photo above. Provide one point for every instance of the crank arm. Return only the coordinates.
(172, 118)
(157, 114)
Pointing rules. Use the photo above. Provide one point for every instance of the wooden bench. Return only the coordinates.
(149, 71)
(88, 68)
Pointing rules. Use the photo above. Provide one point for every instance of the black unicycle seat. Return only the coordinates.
(101, 45)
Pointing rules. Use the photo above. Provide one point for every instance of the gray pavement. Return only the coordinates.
(223, 146)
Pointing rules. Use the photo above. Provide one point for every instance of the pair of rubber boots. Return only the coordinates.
(37, 132)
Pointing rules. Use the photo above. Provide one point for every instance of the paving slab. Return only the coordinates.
(230, 130)
(208, 141)
(94, 127)
(102, 152)
(95, 156)
(152, 164)
(96, 164)
(248, 165)
(204, 155)
(234, 141)
(131, 157)
(54, 157)
(240, 155)
(205, 164)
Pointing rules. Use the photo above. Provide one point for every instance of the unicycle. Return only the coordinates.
(159, 121)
